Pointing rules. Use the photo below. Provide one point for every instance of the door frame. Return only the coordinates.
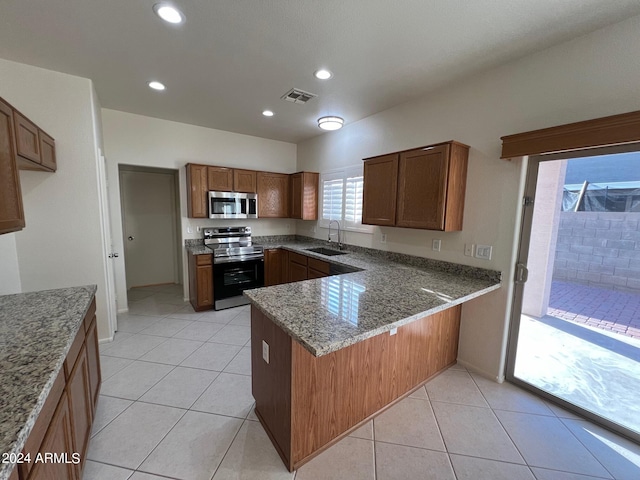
(528, 201)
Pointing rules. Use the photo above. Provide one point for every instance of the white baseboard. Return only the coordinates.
(474, 369)
(105, 340)
(123, 310)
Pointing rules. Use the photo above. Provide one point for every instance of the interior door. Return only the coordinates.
(149, 227)
(557, 349)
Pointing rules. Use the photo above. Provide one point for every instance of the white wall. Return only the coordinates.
(589, 77)
(9, 268)
(61, 243)
(137, 140)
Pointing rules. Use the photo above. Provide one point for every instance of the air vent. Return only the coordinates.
(298, 96)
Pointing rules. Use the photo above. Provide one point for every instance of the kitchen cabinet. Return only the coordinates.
(34, 148)
(297, 267)
(317, 268)
(11, 211)
(273, 195)
(197, 191)
(419, 188)
(65, 420)
(304, 195)
(275, 271)
(244, 181)
(201, 281)
(220, 179)
(380, 190)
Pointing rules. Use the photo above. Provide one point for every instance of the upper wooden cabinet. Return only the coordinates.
(380, 190)
(197, 190)
(304, 195)
(273, 195)
(244, 181)
(34, 148)
(11, 212)
(429, 185)
(220, 179)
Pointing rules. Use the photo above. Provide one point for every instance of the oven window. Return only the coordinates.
(239, 276)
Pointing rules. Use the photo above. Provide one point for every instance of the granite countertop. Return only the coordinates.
(36, 332)
(330, 313)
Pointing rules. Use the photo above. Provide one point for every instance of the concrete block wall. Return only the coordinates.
(600, 249)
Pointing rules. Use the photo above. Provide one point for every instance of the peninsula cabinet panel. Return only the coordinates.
(59, 440)
(93, 361)
(273, 195)
(380, 190)
(11, 211)
(197, 191)
(220, 179)
(307, 403)
(244, 181)
(304, 195)
(79, 392)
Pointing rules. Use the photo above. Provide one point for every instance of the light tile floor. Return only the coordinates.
(176, 403)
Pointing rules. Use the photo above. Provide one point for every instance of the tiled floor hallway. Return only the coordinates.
(176, 403)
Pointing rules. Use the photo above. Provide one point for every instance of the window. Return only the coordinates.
(342, 198)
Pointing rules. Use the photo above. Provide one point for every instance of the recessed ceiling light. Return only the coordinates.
(323, 74)
(268, 113)
(168, 13)
(156, 85)
(330, 123)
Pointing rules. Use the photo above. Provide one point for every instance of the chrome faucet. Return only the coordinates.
(329, 238)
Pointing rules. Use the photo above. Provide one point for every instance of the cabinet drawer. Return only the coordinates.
(74, 351)
(297, 258)
(319, 265)
(203, 260)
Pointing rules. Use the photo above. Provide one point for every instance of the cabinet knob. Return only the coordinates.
(131, 238)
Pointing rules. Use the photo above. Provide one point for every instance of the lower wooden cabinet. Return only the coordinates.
(275, 266)
(63, 426)
(201, 281)
(297, 267)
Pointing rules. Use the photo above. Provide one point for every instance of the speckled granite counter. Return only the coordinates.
(36, 331)
(392, 289)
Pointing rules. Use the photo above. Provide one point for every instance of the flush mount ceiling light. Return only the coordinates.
(168, 13)
(330, 123)
(323, 74)
(267, 113)
(156, 86)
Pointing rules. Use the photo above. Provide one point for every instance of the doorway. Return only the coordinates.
(575, 328)
(150, 223)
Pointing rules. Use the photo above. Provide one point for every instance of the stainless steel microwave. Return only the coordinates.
(233, 205)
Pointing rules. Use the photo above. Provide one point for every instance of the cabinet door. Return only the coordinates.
(304, 195)
(272, 267)
(296, 195)
(47, 151)
(380, 190)
(57, 440)
(220, 179)
(11, 212)
(197, 191)
(205, 286)
(93, 361)
(27, 141)
(273, 195)
(244, 181)
(422, 188)
(79, 393)
(297, 272)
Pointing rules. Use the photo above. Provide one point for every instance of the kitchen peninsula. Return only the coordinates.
(330, 353)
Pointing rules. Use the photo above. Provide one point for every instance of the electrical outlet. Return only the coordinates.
(383, 238)
(435, 245)
(484, 251)
(189, 229)
(468, 249)
(198, 228)
(287, 226)
(265, 351)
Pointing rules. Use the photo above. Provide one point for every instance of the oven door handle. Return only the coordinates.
(239, 259)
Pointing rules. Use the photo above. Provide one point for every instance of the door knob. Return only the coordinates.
(131, 238)
(113, 255)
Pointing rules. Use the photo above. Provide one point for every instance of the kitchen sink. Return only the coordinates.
(325, 251)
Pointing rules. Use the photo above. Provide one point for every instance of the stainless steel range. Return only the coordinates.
(237, 264)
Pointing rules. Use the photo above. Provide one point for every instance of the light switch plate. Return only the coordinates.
(265, 351)
(435, 245)
(383, 238)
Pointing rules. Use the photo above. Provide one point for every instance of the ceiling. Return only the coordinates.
(232, 59)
